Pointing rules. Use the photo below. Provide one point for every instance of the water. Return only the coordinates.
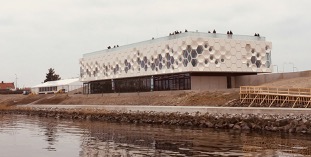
(37, 137)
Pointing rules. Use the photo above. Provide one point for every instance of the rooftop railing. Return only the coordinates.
(176, 36)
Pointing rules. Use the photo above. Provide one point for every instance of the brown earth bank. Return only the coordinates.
(299, 82)
(258, 122)
(252, 122)
(178, 98)
(228, 97)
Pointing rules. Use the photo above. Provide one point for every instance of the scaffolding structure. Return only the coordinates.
(274, 96)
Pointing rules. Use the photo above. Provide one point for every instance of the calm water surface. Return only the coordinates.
(46, 137)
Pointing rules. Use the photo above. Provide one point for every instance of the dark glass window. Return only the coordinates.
(172, 82)
(145, 59)
(253, 59)
(194, 62)
(156, 62)
(160, 57)
(210, 49)
(167, 56)
(185, 62)
(200, 49)
(141, 84)
(142, 64)
(160, 66)
(185, 54)
(100, 87)
(216, 61)
(138, 61)
(172, 60)
(189, 48)
(258, 63)
(168, 65)
(189, 58)
(193, 54)
(152, 66)
(205, 61)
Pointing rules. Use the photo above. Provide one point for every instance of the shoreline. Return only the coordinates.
(179, 109)
(287, 123)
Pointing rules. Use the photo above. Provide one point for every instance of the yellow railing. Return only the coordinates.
(275, 96)
(275, 90)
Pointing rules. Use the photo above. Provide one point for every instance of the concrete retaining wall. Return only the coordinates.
(255, 80)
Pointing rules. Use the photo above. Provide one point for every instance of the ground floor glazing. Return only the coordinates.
(140, 84)
(179, 81)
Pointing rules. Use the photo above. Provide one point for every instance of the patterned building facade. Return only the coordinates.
(179, 58)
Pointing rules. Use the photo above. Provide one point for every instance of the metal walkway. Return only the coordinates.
(275, 97)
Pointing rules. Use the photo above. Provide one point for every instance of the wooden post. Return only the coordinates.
(273, 100)
(284, 101)
(295, 102)
(253, 101)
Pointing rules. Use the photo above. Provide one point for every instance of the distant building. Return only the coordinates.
(7, 86)
(185, 61)
(62, 86)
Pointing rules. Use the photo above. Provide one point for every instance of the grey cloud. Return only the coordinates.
(36, 35)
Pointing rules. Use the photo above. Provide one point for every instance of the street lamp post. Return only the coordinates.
(293, 66)
(284, 66)
(277, 68)
(15, 82)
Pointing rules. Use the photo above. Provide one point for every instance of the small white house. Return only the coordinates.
(64, 86)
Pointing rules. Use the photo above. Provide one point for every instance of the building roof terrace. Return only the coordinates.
(176, 36)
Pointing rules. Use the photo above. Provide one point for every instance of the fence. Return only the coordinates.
(273, 95)
(11, 92)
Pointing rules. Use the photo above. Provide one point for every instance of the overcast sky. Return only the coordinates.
(39, 34)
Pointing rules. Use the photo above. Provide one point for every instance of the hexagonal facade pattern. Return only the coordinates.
(186, 52)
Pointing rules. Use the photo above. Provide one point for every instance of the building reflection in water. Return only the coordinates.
(130, 140)
(283, 144)
(95, 138)
(50, 133)
(49, 129)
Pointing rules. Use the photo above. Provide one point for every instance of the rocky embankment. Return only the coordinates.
(257, 122)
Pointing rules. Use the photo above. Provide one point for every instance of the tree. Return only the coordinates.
(51, 76)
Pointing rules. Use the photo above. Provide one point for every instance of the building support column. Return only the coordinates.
(113, 86)
(151, 84)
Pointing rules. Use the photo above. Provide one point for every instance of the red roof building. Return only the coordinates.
(7, 86)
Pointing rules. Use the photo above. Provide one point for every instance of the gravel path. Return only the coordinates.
(181, 109)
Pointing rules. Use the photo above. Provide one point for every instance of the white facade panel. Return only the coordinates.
(186, 52)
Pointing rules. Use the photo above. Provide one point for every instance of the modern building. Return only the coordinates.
(63, 86)
(7, 86)
(185, 61)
